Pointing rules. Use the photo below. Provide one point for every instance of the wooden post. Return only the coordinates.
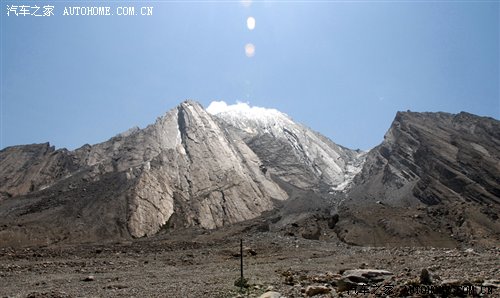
(241, 265)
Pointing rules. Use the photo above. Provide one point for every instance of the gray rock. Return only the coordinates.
(451, 282)
(184, 169)
(270, 294)
(344, 284)
(367, 273)
(495, 283)
(425, 277)
(89, 278)
(191, 168)
(437, 161)
(292, 151)
(316, 290)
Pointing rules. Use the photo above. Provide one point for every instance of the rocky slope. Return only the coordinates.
(434, 180)
(181, 171)
(290, 150)
(29, 168)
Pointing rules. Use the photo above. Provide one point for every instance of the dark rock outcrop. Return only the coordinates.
(436, 178)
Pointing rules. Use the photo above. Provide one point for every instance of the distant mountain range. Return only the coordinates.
(434, 180)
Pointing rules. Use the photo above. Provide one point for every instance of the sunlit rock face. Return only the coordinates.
(290, 150)
(181, 171)
(432, 181)
(188, 166)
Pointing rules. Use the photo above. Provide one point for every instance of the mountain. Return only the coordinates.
(434, 180)
(292, 151)
(181, 171)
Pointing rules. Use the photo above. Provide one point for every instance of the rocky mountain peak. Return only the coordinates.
(292, 151)
(443, 164)
(252, 120)
(184, 170)
(230, 163)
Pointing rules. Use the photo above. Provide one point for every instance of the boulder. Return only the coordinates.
(270, 294)
(316, 290)
(366, 275)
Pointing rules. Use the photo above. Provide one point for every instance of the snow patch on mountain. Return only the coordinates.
(251, 119)
(218, 107)
(330, 163)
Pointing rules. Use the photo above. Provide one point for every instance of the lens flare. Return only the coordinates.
(249, 50)
(246, 3)
(251, 23)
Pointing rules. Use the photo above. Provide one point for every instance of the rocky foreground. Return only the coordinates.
(202, 264)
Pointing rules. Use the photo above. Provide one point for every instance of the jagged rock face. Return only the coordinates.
(183, 168)
(289, 150)
(33, 167)
(77, 209)
(433, 181)
(436, 177)
(219, 180)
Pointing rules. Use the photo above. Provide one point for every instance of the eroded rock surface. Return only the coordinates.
(182, 171)
(435, 180)
(291, 151)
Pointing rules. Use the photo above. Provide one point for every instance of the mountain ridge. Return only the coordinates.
(197, 167)
(437, 165)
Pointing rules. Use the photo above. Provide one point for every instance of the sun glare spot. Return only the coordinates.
(251, 23)
(249, 50)
(246, 3)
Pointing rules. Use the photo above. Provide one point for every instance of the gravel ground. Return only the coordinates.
(207, 265)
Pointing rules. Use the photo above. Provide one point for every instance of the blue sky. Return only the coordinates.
(342, 68)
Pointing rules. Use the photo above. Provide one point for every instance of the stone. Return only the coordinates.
(270, 294)
(425, 277)
(451, 282)
(289, 280)
(345, 285)
(241, 283)
(495, 283)
(316, 290)
(89, 278)
(333, 220)
(366, 274)
(311, 232)
(356, 278)
(251, 251)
